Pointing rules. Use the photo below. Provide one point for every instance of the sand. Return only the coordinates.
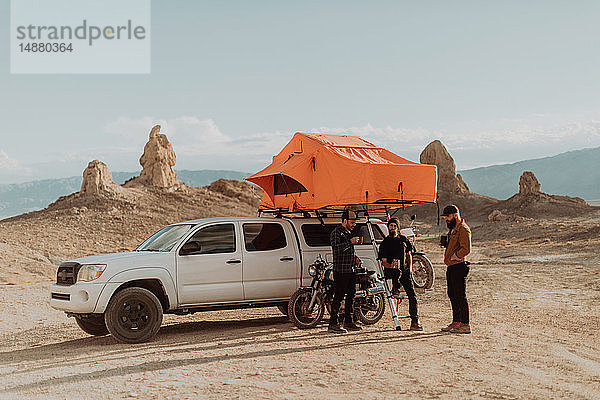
(533, 291)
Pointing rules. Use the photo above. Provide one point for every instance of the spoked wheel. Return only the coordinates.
(134, 315)
(422, 272)
(300, 314)
(370, 309)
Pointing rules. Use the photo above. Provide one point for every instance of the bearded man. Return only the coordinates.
(457, 249)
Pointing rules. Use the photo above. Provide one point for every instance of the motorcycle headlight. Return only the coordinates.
(89, 272)
(312, 271)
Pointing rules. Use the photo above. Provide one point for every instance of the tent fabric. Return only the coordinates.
(314, 171)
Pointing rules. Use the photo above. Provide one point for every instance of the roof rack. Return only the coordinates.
(381, 211)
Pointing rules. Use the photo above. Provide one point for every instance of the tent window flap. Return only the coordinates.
(286, 185)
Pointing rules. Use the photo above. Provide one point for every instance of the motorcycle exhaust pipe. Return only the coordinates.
(370, 291)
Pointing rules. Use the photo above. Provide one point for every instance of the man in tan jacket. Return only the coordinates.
(457, 249)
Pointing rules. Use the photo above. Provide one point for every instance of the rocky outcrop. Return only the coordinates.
(528, 184)
(157, 163)
(532, 202)
(448, 181)
(97, 180)
(451, 187)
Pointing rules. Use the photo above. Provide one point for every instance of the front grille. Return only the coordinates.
(67, 273)
(61, 296)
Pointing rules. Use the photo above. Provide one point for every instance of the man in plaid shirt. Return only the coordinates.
(344, 260)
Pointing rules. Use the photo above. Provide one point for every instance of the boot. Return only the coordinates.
(448, 328)
(461, 328)
(351, 326)
(336, 328)
(415, 325)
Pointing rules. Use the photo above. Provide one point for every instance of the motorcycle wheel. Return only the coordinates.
(370, 310)
(298, 309)
(422, 272)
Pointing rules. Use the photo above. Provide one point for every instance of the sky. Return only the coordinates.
(231, 81)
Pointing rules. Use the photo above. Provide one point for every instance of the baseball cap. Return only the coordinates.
(349, 215)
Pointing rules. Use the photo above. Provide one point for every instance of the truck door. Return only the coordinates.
(212, 271)
(270, 257)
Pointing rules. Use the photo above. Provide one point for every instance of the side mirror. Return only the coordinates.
(413, 217)
(191, 247)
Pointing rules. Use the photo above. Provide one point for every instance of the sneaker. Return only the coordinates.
(351, 326)
(450, 327)
(461, 328)
(416, 326)
(336, 329)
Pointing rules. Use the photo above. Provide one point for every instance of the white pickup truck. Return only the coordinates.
(200, 265)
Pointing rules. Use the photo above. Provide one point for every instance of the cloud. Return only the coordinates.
(133, 131)
(11, 164)
(11, 170)
(192, 135)
(199, 143)
(186, 130)
(519, 135)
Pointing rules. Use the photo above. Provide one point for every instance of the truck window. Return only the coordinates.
(363, 230)
(215, 239)
(317, 235)
(264, 237)
(165, 239)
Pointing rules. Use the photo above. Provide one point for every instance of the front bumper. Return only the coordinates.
(79, 298)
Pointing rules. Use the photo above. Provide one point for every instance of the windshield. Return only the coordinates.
(165, 239)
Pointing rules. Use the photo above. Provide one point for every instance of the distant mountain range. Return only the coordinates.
(574, 173)
(19, 198)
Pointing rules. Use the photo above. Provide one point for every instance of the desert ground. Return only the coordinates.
(533, 291)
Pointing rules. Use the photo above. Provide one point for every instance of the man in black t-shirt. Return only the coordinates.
(395, 255)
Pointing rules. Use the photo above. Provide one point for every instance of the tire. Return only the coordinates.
(422, 272)
(370, 309)
(298, 313)
(94, 325)
(283, 308)
(134, 315)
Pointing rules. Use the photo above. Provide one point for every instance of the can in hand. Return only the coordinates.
(444, 240)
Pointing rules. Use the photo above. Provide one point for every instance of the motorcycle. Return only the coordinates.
(422, 270)
(307, 305)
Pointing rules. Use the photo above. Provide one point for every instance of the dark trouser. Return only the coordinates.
(402, 277)
(456, 278)
(343, 284)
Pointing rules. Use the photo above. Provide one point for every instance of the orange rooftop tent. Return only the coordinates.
(314, 171)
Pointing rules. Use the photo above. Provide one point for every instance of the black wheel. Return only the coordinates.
(283, 308)
(298, 310)
(93, 325)
(422, 272)
(370, 309)
(134, 315)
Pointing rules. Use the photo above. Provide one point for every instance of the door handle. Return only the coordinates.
(233, 261)
(286, 259)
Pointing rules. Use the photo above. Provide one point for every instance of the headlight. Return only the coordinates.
(312, 271)
(89, 272)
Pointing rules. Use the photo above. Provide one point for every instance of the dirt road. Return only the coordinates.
(535, 335)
